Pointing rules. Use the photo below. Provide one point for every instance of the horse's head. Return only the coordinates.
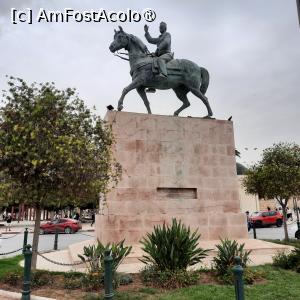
(121, 40)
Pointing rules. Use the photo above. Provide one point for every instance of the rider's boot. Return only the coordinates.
(162, 68)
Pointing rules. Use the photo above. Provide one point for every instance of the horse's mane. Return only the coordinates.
(139, 42)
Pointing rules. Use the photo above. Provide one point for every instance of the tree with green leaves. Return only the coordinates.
(53, 150)
(276, 176)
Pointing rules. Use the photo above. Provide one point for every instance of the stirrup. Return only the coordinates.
(162, 75)
(150, 90)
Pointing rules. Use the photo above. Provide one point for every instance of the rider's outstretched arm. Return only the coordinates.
(150, 39)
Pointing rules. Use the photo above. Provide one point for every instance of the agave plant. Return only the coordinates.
(93, 255)
(227, 250)
(172, 248)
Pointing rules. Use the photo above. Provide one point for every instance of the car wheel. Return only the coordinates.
(68, 230)
(297, 234)
(258, 224)
(278, 222)
(42, 231)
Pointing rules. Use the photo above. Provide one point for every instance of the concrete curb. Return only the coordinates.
(13, 295)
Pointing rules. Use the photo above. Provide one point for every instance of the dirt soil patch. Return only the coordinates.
(57, 291)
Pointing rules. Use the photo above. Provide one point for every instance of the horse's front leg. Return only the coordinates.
(142, 93)
(133, 85)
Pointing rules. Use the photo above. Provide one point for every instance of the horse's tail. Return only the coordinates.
(204, 81)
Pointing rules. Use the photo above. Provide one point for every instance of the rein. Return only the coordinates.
(122, 53)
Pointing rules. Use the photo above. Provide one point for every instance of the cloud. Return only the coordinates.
(6, 5)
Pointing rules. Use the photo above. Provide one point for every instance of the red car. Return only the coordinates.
(266, 218)
(62, 225)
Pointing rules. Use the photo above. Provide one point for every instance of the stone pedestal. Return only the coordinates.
(173, 167)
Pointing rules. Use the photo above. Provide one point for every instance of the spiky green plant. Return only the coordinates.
(93, 255)
(227, 250)
(172, 247)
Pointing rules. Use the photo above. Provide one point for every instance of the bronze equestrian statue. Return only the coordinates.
(181, 75)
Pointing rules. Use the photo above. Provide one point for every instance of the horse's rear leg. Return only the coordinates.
(142, 93)
(181, 94)
(198, 94)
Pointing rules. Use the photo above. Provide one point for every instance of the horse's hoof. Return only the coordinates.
(120, 107)
(208, 117)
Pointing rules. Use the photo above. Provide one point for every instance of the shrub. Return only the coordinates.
(41, 278)
(224, 261)
(172, 248)
(13, 278)
(38, 278)
(170, 279)
(92, 281)
(72, 274)
(295, 257)
(73, 283)
(73, 280)
(288, 260)
(124, 279)
(282, 260)
(93, 255)
(249, 276)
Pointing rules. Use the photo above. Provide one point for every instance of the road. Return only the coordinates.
(274, 232)
(46, 241)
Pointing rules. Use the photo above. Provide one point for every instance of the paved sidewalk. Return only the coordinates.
(6, 295)
(20, 227)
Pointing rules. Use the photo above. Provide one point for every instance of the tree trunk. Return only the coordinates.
(286, 234)
(36, 235)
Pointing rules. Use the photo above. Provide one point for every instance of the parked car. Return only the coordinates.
(62, 225)
(266, 218)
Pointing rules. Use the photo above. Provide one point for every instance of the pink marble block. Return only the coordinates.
(173, 167)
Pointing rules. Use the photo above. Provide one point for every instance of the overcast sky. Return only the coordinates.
(251, 49)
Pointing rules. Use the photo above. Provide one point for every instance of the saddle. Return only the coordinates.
(173, 66)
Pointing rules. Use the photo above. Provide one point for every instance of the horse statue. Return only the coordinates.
(183, 75)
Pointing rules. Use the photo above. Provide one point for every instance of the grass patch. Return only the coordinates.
(10, 265)
(148, 290)
(281, 284)
(291, 242)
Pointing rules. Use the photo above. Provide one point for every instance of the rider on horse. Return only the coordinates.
(163, 51)
(189, 76)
